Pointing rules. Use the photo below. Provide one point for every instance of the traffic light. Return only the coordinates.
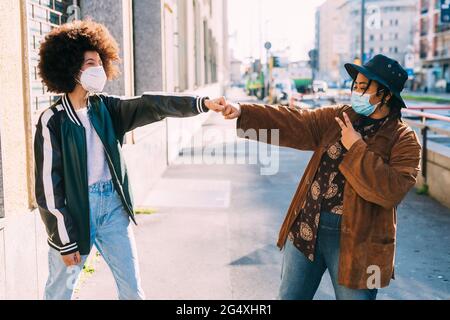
(276, 62)
(314, 59)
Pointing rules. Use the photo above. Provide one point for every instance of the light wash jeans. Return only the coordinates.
(301, 278)
(112, 234)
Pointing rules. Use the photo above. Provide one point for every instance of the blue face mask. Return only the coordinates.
(361, 104)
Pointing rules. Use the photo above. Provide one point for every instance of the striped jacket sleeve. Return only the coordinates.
(131, 113)
(49, 188)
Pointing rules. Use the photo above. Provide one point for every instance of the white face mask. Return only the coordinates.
(93, 79)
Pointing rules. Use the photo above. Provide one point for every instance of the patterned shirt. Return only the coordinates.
(327, 190)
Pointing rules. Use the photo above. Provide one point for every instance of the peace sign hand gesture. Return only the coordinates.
(349, 135)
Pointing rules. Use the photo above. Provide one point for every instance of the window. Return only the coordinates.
(181, 47)
(424, 48)
(42, 17)
(435, 47)
(197, 44)
(381, 50)
(372, 37)
(424, 26)
(424, 5)
(214, 62)
(395, 50)
(206, 55)
(437, 4)
(210, 5)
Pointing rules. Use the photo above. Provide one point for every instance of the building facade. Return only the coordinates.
(390, 27)
(433, 48)
(172, 45)
(329, 43)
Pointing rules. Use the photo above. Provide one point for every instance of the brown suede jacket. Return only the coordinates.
(379, 173)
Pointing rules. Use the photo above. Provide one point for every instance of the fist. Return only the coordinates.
(232, 111)
(216, 105)
(72, 259)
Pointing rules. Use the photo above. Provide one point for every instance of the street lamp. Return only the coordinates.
(363, 22)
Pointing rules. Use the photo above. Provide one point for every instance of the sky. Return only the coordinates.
(285, 23)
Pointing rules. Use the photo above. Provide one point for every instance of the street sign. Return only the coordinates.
(268, 45)
(445, 11)
(409, 61)
(410, 73)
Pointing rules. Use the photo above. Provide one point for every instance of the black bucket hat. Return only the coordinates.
(385, 71)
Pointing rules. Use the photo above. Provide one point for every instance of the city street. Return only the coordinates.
(214, 234)
(92, 87)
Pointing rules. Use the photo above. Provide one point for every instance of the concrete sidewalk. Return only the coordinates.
(214, 235)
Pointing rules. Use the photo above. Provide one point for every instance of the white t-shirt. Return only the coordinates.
(98, 169)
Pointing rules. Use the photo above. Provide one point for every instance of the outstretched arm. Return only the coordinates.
(298, 128)
(131, 113)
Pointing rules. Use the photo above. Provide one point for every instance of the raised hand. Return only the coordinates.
(349, 134)
(216, 105)
(232, 111)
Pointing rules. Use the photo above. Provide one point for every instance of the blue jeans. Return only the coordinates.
(112, 234)
(301, 277)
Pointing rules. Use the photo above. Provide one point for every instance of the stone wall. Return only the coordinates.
(438, 173)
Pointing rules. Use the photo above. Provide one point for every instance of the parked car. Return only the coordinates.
(283, 91)
(441, 85)
(320, 86)
(304, 101)
(312, 101)
(338, 93)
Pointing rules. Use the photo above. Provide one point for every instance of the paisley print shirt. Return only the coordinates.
(327, 190)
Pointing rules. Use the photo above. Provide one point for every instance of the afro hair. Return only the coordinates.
(62, 53)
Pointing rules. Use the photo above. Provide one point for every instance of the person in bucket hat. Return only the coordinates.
(343, 216)
(389, 76)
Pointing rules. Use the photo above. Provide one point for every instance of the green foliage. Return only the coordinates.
(146, 211)
(423, 190)
(430, 99)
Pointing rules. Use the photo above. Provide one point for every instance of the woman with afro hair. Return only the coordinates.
(81, 181)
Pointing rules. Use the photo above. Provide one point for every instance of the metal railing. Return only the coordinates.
(426, 128)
